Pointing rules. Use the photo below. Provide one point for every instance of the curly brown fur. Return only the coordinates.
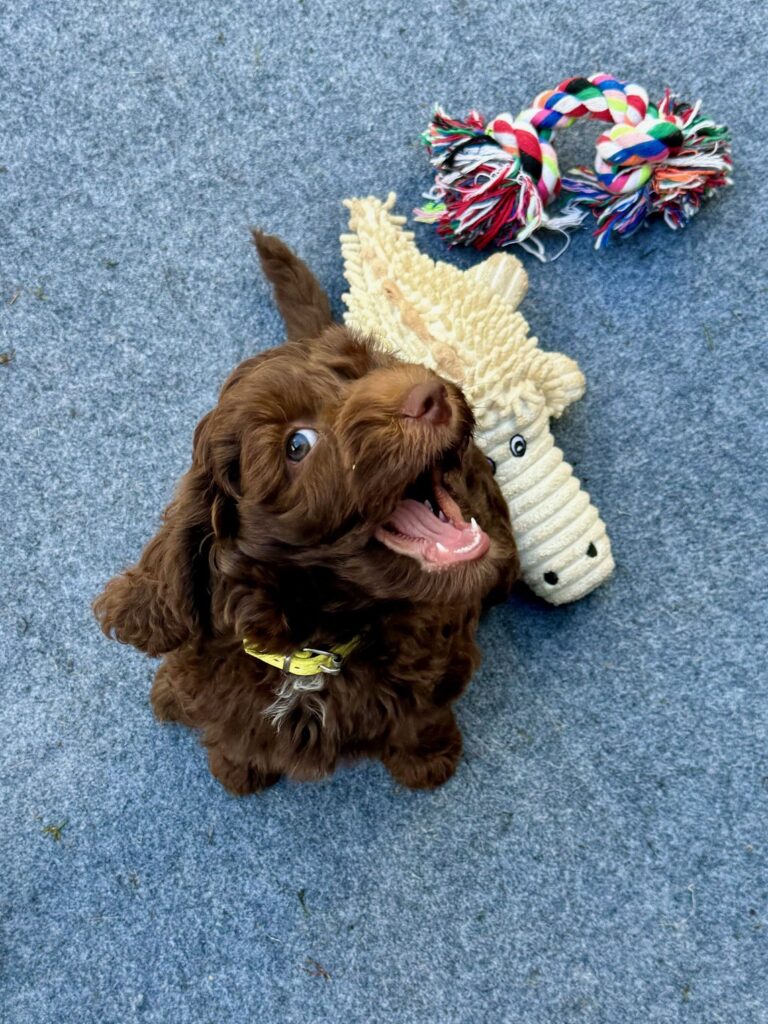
(287, 555)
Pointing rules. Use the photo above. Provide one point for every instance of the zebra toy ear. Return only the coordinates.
(502, 273)
(558, 378)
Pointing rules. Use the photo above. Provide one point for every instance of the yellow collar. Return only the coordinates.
(309, 661)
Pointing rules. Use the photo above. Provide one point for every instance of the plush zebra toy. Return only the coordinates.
(466, 326)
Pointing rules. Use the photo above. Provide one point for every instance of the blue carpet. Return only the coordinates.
(601, 855)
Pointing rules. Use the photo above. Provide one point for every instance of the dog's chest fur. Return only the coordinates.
(416, 666)
(305, 694)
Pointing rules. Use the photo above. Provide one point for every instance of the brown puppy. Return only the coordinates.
(332, 504)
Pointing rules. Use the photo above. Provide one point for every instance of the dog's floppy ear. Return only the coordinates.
(303, 304)
(160, 602)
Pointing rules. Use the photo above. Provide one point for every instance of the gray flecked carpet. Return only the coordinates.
(601, 854)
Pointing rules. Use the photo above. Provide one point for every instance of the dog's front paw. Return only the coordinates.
(431, 764)
(239, 779)
(165, 700)
(421, 772)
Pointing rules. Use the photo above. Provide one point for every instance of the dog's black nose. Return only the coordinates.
(427, 402)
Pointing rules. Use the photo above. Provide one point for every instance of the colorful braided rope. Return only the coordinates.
(494, 180)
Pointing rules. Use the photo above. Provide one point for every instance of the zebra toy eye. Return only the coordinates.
(517, 446)
(300, 444)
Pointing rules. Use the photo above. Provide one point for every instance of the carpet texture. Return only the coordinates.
(601, 854)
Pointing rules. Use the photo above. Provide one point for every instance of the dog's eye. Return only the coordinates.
(517, 446)
(492, 464)
(300, 444)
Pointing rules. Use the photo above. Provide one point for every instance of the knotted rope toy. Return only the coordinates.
(494, 180)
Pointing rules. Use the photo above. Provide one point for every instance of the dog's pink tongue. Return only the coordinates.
(414, 519)
(437, 542)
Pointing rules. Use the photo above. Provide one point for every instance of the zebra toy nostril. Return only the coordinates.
(591, 551)
(551, 578)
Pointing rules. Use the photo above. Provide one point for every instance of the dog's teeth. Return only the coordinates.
(442, 516)
(428, 503)
(473, 523)
(469, 547)
(441, 548)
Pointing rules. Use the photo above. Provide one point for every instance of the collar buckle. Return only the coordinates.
(335, 660)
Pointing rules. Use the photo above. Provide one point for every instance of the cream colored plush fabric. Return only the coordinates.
(466, 326)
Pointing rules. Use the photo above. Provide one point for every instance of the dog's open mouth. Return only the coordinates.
(427, 525)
